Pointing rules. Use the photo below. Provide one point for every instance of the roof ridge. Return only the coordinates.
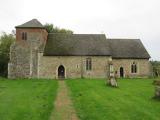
(123, 38)
(128, 48)
(77, 44)
(77, 33)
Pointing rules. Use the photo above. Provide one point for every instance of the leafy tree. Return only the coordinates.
(5, 42)
(53, 29)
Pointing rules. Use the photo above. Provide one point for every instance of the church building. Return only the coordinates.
(39, 54)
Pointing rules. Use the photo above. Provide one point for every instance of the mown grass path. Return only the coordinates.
(63, 105)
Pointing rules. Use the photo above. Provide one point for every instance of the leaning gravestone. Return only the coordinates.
(112, 79)
(157, 88)
(112, 82)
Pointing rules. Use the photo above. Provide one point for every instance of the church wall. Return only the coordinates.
(36, 38)
(143, 67)
(19, 64)
(24, 53)
(48, 66)
(41, 32)
(75, 66)
(100, 67)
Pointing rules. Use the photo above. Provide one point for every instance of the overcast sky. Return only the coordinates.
(116, 18)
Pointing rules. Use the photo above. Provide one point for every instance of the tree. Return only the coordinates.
(53, 29)
(5, 42)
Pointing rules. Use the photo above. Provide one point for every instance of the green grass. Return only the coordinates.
(26, 99)
(131, 101)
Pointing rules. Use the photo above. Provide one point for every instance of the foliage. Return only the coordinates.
(94, 100)
(53, 29)
(27, 99)
(156, 68)
(5, 41)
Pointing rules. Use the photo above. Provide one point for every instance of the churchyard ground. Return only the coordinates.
(131, 101)
(33, 99)
(27, 99)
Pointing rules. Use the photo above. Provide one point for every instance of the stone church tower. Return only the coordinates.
(30, 41)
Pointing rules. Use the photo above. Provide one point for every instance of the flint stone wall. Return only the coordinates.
(75, 66)
(19, 65)
(143, 67)
(24, 53)
(23, 62)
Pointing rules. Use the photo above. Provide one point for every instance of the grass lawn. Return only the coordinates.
(27, 99)
(131, 101)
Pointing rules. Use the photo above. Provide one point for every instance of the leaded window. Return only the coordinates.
(134, 68)
(88, 64)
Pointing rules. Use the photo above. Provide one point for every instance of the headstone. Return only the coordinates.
(112, 80)
(157, 88)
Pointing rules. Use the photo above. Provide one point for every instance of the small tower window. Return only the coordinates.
(134, 68)
(88, 64)
(24, 36)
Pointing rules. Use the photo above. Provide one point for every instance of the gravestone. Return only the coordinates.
(112, 82)
(157, 88)
(112, 79)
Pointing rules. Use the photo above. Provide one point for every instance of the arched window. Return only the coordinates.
(88, 64)
(134, 68)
